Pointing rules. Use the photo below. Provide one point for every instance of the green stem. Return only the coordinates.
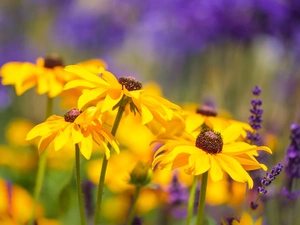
(105, 162)
(132, 211)
(245, 198)
(78, 184)
(41, 168)
(200, 214)
(192, 200)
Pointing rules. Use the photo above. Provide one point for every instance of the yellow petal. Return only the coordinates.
(79, 84)
(237, 148)
(85, 74)
(180, 160)
(39, 130)
(146, 114)
(111, 79)
(246, 219)
(76, 134)
(89, 96)
(215, 171)
(45, 141)
(111, 100)
(43, 84)
(86, 146)
(62, 137)
(231, 133)
(193, 122)
(234, 169)
(200, 162)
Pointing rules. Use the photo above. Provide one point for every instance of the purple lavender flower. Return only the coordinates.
(5, 96)
(137, 221)
(255, 118)
(265, 182)
(178, 196)
(87, 188)
(88, 29)
(293, 153)
(292, 167)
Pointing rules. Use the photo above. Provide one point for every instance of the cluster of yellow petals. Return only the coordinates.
(83, 131)
(102, 89)
(50, 80)
(235, 158)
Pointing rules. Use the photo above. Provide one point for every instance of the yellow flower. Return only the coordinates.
(70, 97)
(17, 130)
(208, 116)
(106, 91)
(47, 75)
(77, 126)
(210, 151)
(247, 220)
(13, 198)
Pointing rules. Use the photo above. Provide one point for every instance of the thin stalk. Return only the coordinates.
(41, 168)
(245, 198)
(200, 214)
(105, 162)
(192, 200)
(133, 208)
(78, 184)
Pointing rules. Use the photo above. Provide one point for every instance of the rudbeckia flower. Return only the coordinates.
(210, 151)
(106, 91)
(245, 220)
(47, 75)
(78, 127)
(207, 115)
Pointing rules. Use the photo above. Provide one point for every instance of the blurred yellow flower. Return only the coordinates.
(70, 97)
(77, 126)
(208, 116)
(210, 151)
(27, 160)
(117, 173)
(13, 198)
(108, 90)
(17, 130)
(47, 75)
(247, 220)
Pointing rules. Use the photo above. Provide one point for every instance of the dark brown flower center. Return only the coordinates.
(210, 141)
(53, 61)
(206, 111)
(72, 115)
(130, 83)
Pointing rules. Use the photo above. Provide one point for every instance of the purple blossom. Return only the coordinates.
(81, 28)
(177, 196)
(293, 153)
(87, 188)
(266, 181)
(255, 119)
(5, 96)
(292, 159)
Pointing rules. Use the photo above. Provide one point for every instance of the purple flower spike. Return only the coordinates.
(293, 153)
(256, 91)
(255, 119)
(266, 181)
(292, 159)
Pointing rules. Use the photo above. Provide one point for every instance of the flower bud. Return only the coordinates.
(141, 175)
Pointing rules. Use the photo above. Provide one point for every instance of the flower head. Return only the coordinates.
(47, 75)
(75, 126)
(255, 119)
(211, 151)
(106, 92)
(207, 116)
